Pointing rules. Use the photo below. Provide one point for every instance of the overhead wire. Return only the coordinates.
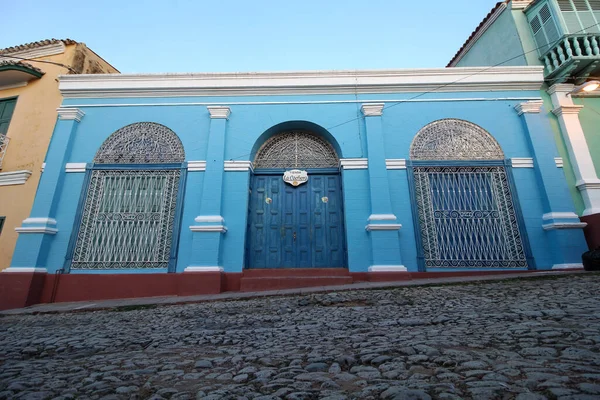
(39, 61)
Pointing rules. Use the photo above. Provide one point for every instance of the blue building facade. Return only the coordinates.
(385, 171)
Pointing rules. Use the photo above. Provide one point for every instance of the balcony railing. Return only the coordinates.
(3, 145)
(573, 56)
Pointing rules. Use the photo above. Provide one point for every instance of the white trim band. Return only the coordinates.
(238, 166)
(567, 266)
(36, 229)
(14, 177)
(372, 109)
(45, 221)
(387, 268)
(203, 269)
(25, 269)
(208, 228)
(383, 227)
(75, 167)
(559, 162)
(354, 163)
(399, 163)
(521, 162)
(529, 107)
(382, 217)
(564, 225)
(559, 215)
(43, 167)
(219, 112)
(193, 166)
(37, 52)
(209, 218)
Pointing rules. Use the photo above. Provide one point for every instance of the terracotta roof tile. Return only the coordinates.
(33, 45)
(499, 4)
(20, 64)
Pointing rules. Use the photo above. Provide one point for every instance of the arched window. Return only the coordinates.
(454, 139)
(296, 149)
(129, 210)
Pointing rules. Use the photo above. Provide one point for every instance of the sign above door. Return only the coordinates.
(295, 177)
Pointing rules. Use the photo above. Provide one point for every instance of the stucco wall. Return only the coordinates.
(589, 116)
(499, 45)
(30, 131)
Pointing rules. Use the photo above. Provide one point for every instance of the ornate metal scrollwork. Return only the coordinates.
(296, 149)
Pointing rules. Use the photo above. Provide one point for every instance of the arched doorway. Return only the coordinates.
(128, 214)
(466, 215)
(298, 223)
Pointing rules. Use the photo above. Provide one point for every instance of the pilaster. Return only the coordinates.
(209, 226)
(37, 231)
(557, 204)
(381, 225)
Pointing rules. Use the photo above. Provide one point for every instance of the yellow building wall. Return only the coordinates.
(30, 130)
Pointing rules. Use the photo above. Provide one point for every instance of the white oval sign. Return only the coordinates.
(295, 177)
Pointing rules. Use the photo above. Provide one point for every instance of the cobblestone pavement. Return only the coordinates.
(523, 339)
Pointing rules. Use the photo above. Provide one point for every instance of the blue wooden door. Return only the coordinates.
(296, 227)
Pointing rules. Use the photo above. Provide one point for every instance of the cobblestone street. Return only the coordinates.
(523, 339)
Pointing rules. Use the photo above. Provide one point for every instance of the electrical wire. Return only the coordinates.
(40, 61)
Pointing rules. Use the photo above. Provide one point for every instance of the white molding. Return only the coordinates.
(567, 266)
(14, 177)
(521, 4)
(262, 103)
(219, 112)
(70, 113)
(75, 167)
(37, 52)
(529, 107)
(521, 162)
(567, 109)
(14, 86)
(45, 221)
(559, 162)
(383, 227)
(209, 218)
(208, 228)
(588, 184)
(372, 109)
(478, 34)
(564, 225)
(561, 88)
(43, 167)
(387, 268)
(237, 166)
(25, 269)
(399, 163)
(36, 229)
(559, 215)
(193, 166)
(354, 163)
(202, 269)
(382, 217)
(463, 79)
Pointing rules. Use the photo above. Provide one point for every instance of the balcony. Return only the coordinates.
(573, 58)
(3, 145)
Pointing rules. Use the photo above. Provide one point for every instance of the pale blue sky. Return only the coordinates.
(262, 35)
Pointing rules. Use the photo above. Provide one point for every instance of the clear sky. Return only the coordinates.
(243, 35)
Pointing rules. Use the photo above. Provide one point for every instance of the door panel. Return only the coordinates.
(303, 224)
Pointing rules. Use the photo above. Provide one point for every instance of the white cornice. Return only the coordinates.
(75, 167)
(45, 221)
(25, 270)
(14, 177)
(387, 268)
(219, 112)
(564, 225)
(203, 269)
(194, 166)
(521, 162)
(325, 82)
(382, 217)
(478, 34)
(354, 163)
(238, 166)
(529, 107)
(70, 113)
(588, 184)
(36, 229)
(383, 227)
(42, 51)
(563, 88)
(399, 163)
(567, 266)
(372, 109)
(559, 162)
(567, 109)
(14, 86)
(208, 228)
(209, 218)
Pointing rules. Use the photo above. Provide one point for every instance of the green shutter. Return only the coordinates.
(6, 111)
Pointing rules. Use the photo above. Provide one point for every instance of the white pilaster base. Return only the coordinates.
(203, 269)
(25, 269)
(387, 268)
(567, 266)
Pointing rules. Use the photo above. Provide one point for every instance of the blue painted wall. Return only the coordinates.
(340, 121)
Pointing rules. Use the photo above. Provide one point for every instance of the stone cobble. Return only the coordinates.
(520, 339)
